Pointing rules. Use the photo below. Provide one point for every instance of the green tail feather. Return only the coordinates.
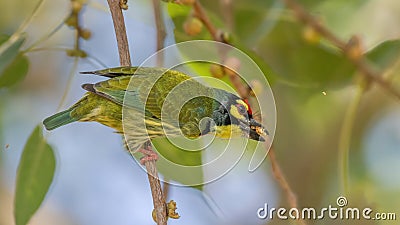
(59, 119)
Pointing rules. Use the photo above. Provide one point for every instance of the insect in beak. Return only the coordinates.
(254, 129)
(257, 131)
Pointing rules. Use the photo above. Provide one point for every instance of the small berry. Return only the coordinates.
(76, 6)
(192, 26)
(311, 35)
(355, 49)
(85, 34)
(71, 21)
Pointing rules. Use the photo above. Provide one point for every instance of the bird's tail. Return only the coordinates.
(59, 119)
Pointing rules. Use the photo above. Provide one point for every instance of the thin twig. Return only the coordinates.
(280, 177)
(345, 137)
(240, 88)
(123, 49)
(226, 7)
(161, 34)
(69, 83)
(159, 199)
(360, 62)
(160, 206)
(19, 32)
(203, 17)
(45, 37)
(200, 13)
(244, 93)
(120, 32)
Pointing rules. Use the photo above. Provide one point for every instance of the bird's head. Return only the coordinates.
(234, 117)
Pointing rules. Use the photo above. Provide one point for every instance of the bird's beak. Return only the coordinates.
(254, 130)
(258, 128)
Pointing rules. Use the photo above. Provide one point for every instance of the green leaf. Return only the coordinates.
(178, 164)
(255, 18)
(9, 49)
(300, 62)
(34, 176)
(13, 65)
(268, 72)
(15, 71)
(385, 54)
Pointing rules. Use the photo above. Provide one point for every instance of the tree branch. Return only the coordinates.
(244, 93)
(360, 62)
(124, 56)
(215, 34)
(203, 17)
(120, 32)
(161, 34)
(160, 206)
(280, 177)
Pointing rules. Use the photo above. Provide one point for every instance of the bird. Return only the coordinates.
(148, 102)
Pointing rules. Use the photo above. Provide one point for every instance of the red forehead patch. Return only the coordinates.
(248, 105)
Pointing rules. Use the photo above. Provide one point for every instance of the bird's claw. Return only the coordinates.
(149, 155)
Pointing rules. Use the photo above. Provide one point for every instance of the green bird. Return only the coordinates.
(158, 102)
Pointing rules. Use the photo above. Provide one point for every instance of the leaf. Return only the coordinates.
(268, 72)
(178, 164)
(15, 71)
(13, 65)
(34, 176)
(300, 62)
(253, 19)
(385, 54)
(9, 50)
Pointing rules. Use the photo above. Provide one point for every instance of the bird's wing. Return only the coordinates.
(126, 71)
(170, 96)
(143, 87)
(114, 90)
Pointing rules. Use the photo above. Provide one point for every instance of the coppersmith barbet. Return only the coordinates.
(147, 90)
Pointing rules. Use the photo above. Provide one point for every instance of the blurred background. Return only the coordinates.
(96, 181)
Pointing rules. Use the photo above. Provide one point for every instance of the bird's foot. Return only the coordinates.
(149, 155)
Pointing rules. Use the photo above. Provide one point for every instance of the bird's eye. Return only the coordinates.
(241, 109)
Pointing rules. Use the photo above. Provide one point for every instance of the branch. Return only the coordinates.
(280, 177)
(161, 34)
(244, 93)
(123, 49)
(160, 207)
(120, 32)
(226, 7)
(345, 137)
(215, 34)
(360, 61)
(203, 17)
